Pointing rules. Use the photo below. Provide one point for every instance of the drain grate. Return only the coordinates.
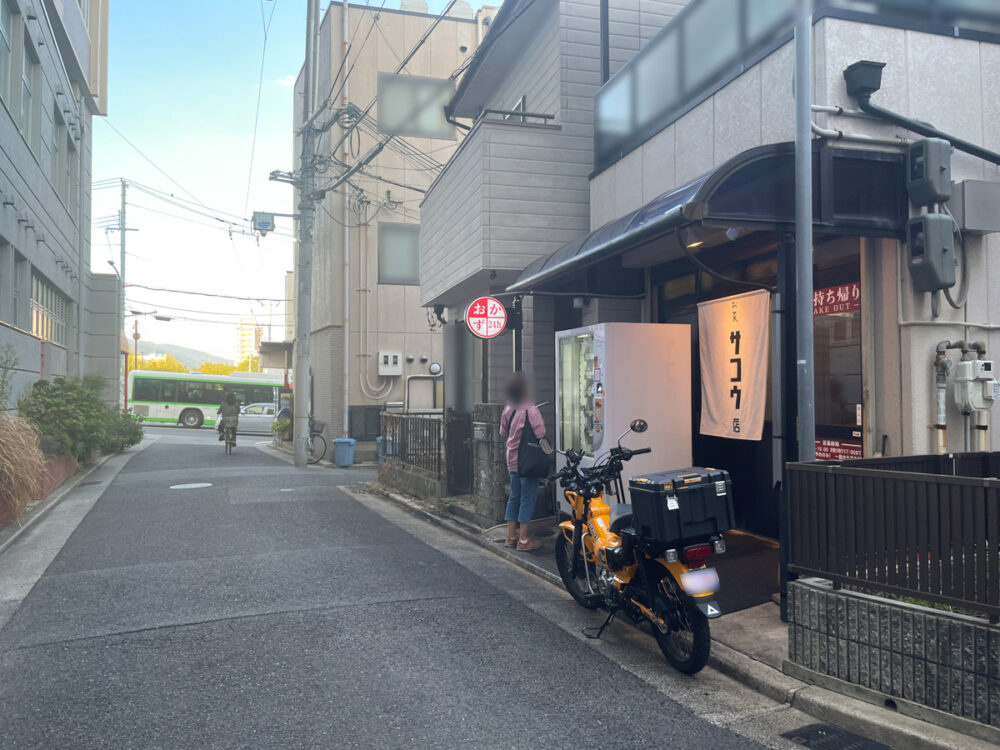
(828, 737)
(88, 484)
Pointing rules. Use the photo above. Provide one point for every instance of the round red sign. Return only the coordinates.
(486, 317)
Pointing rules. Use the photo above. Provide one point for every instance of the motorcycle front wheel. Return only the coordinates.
(576, 585)
(687, 642)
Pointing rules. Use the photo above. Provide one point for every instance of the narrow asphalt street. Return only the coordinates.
(274, 609)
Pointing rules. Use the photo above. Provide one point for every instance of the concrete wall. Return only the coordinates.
(45, 231)
(938, 79)
(926, 657)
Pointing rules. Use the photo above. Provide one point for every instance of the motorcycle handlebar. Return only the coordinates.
(639, 451)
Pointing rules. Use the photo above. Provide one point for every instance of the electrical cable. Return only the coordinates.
(490, 40)
(156, 166)
(207, 294)
(260, 90)
(713, 273)
(963, 287)
(200, 312)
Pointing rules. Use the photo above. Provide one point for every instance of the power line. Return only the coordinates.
(489, 41)
(156, 166)
(207, 294)
(204, 312)
(260, 90)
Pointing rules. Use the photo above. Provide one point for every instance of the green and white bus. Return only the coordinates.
(192, 399)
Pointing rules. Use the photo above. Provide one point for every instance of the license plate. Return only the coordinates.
(703, 581)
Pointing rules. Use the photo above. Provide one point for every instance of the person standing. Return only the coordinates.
(518, 413)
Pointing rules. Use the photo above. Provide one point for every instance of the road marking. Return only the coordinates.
(191, 486)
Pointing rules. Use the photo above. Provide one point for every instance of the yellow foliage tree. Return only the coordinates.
(248, 364)
(166, 363)
(216, 368)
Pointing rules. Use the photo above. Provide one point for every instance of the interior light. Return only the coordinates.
(693, 245)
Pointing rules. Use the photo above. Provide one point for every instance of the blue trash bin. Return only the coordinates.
(343, 451)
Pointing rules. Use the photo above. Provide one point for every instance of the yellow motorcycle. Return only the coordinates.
(647, 559)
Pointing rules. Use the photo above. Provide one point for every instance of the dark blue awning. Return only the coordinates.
(857, 190)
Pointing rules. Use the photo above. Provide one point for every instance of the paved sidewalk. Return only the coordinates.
(749, 645)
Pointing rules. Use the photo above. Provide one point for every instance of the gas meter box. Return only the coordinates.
(976, 387)
(928, 171)
(932, 252)
(671, 506)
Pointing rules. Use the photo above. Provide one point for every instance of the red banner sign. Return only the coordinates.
(834, 300)
(486, 317)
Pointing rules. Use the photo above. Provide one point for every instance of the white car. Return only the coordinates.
(256, 418)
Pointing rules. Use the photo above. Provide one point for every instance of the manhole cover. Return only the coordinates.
(827, 737)
(192, 486)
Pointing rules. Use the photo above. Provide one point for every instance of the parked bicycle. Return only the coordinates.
(317, 443)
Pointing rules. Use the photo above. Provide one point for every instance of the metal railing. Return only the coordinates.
(414, 440)
(931, 534)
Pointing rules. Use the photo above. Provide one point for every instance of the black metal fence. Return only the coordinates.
(414, 440)
(926, 527)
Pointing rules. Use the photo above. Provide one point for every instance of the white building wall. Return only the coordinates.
(937, 79)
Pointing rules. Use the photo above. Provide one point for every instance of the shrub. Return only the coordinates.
(21, 465)
(123, 431)
(282, 427)
(72, 413)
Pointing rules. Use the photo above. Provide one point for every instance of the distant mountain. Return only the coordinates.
(188, 357)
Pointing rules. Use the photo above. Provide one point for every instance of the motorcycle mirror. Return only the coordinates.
(639, 425)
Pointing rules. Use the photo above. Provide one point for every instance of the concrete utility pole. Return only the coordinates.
(303, 267)
(806, 436)
(120, 391)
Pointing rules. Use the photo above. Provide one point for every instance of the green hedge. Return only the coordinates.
(71, 412)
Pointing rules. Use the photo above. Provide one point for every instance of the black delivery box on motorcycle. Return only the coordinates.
(673, 506)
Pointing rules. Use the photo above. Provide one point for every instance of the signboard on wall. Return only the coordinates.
(733, 339)
(486, 317)
(835, 300)
(838, 450)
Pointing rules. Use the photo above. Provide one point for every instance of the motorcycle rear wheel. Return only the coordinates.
(575, 585)
(686, 647)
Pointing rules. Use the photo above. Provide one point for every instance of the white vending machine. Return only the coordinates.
(611, 373)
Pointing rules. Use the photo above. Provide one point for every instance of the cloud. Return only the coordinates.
(286, 81)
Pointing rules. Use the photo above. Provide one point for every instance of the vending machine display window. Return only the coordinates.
(576, 393)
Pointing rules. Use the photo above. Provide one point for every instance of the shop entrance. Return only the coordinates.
(837, 318)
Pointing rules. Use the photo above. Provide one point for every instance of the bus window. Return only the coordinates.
(191, 393)
(213, 394)
(263, 394)
(169, 390)
(145, 389)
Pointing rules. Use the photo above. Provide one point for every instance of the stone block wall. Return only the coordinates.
(936, 659)
(490, 479)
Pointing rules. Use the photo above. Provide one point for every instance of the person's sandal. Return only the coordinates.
(528, 545)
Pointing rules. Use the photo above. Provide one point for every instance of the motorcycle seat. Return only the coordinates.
(621, 517)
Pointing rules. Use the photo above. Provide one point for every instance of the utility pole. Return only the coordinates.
(120, 392)
(303, 267)
(804, 353)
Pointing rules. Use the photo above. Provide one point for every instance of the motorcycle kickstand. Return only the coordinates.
(595, 636)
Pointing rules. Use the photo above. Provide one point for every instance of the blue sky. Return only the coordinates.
(183, 83)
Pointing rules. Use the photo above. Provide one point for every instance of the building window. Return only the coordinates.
(49, 309)
(398, 253)
(58, 157)
(29, 80)
(6, 23)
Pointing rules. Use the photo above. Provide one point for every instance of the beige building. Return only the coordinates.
(248, 338)
(393, 340)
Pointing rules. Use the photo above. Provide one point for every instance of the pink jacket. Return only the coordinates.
(512, 426)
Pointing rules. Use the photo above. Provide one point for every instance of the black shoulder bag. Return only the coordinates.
(532, 460)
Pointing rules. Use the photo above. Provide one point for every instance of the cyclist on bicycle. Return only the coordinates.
(229, 411)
